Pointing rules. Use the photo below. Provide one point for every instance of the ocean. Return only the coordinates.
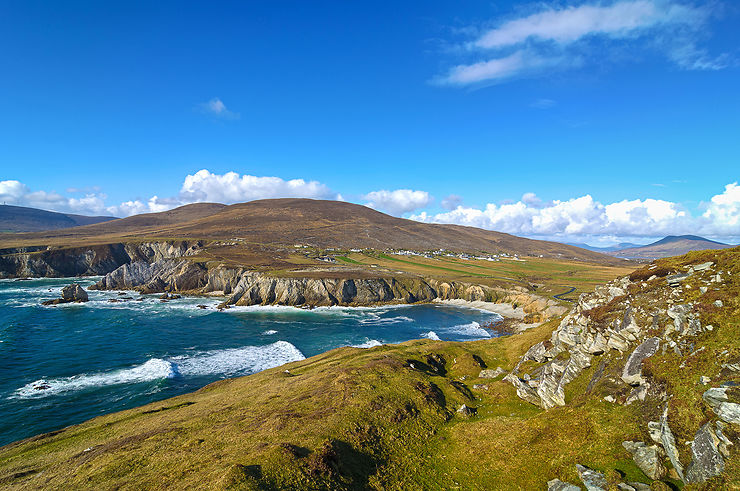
(61, 365)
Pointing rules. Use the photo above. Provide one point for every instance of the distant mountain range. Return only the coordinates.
(618, 247)
(673, 245)
(23, 219)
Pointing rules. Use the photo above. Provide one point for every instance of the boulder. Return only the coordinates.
(703, 266)
(466, 411)
(593, 480)
(492, 373)
(728, 412)
(676, 279)
(632, 373)
(707, 461)
(647, 458)
(715, 396)
(558, 485)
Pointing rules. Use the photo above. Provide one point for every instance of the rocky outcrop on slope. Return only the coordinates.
(86, 261)
(619, 328)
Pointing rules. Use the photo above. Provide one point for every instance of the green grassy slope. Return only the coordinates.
(387, 418)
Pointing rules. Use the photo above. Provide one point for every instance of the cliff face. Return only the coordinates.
(86, 261)
(154, 267)
(244, 287)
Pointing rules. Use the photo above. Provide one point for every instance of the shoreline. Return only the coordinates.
(512, 318)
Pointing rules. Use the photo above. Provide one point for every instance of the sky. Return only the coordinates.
(577, 121)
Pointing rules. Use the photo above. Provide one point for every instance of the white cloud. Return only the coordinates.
(584, 216)
(399, 201)
(215, 107)
(723, 213)
(570, 24)
(202, 186)
(560, 38)
(451, 202)
(233, 188)
(16, 193)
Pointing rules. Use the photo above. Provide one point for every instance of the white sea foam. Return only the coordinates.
(370, 343)
(376, 320)
(471, 329)
(233, 361)
(431, 335)
(269, 332)
(153, 369)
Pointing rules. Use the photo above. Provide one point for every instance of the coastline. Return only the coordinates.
(513, 317)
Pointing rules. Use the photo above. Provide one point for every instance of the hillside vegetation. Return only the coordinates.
(437, 415)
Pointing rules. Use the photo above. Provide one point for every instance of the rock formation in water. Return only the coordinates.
(70, 293)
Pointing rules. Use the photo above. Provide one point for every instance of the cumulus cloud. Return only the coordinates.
(557, 38)
(399, 201)
(204, 185)
(723, 212)
(451, 202)
(16, 193)
(232, 188)
(215, 107)
(584, 216)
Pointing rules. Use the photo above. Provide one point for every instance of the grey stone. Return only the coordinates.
(647, 458)
(703, 266)
(593, 480)
(558, 485)
(728, 412)
(633, 486)
(707, 461)
(523, 391)
(669, 444)
(491, 373)
(718, 303)
(654, 429)
(676, 279)
(715, 396)
(632, 373)
(466, 411)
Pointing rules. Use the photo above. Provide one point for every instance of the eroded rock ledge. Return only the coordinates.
(245, 287)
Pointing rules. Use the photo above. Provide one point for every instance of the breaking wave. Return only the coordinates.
(227, 362)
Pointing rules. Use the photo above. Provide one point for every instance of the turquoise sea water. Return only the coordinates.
(64, 364)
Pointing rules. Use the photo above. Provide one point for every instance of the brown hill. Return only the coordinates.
(315, 223)
(670, 246)
(24, 219)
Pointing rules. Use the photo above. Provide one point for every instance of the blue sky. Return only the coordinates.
(504, 115)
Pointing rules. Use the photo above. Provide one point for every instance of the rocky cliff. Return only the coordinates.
(658, 339)
(245, 287)
(87, 261)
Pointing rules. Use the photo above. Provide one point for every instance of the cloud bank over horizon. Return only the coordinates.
(578, 219)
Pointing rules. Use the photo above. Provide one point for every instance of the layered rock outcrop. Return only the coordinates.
(87, 261)
(623, 324)
(246, 287)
